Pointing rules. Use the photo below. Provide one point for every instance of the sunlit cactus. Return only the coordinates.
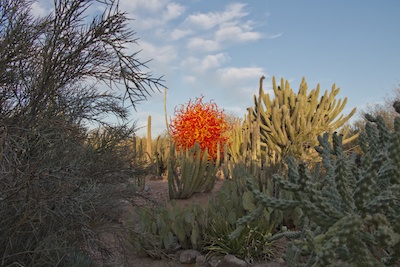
(290, 123)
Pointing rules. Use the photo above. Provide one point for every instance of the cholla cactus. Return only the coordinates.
(354, 211)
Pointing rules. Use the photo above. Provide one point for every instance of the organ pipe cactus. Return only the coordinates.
(290, 123)
(354, 210)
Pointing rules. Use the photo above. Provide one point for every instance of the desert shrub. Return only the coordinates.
(55, 192)
(59, 188)
(383, 109)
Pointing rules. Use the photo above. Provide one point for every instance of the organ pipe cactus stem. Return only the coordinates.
(290, 123)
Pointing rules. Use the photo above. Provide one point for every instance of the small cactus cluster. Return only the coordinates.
(191, 171)
(351, 211)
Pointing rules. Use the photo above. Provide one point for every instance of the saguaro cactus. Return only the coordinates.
(290, 123)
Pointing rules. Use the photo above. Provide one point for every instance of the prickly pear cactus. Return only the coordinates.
(354, 210)
(164, 230)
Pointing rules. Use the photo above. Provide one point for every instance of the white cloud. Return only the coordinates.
(274, 36)
(38, 9)
(236, 33)
(177, 34)
(161, 55)
(173, 11)
(148, 5)
(189, 63)
(149, 14)
(234, 75)
(201, 45)
(224, 37)
(209, 62)
(219, 30)
(190, 80)
(209, 20)
(213, 61)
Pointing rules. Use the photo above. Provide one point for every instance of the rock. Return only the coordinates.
(214, 261)
(232, 261)
(188, 256)
(201, 261)
(269, 264)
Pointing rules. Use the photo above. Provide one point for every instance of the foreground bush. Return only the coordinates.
(56, 193)
(59, 186)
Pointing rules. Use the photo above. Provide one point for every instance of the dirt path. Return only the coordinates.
(158, 190)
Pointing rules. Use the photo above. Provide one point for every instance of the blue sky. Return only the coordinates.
(220, 49)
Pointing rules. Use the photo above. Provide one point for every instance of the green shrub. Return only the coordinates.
(58, 189)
